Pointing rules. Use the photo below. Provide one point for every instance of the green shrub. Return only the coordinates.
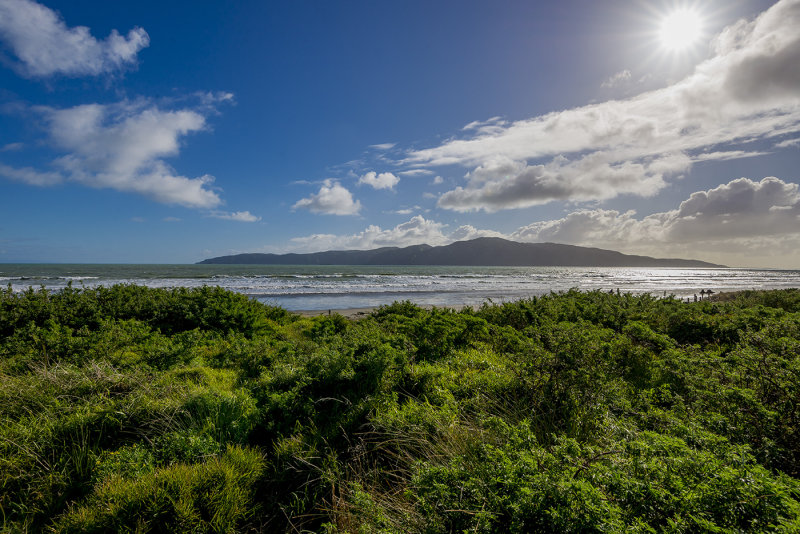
(644, 484)
(128, 408)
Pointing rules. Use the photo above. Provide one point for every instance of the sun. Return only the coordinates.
(680, 30)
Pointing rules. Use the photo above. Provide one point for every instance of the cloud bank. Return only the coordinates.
(45, 46)
(503, 183)
(740, 222)
(740, 209)
(749, 90)
(415, 231)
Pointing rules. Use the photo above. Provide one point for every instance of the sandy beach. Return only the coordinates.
(360, 313)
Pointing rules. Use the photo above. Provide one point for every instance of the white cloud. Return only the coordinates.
(406, 211)
(30, 176)
(212, 98)
(617, 79)
(45, 46)
(384, 180)
(438, 180)
(490, 126)
(383, 146)
(241, 216)
(122, 146)
(788, 143)
(749, 90)
(332, 199)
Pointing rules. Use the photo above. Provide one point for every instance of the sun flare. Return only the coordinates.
(680, 30)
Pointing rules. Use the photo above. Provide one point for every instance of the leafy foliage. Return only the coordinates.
(134, 409)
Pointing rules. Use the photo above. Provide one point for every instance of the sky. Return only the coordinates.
(170, 132)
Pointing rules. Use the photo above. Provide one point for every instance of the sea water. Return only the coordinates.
(342, 287)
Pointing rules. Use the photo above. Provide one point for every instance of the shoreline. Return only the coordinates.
(348, 313)
(361, 312)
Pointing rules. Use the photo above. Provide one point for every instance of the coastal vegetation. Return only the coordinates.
(174, 410)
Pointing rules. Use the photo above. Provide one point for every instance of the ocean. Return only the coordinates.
(343, 287)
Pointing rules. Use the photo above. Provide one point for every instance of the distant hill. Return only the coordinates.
(488, 251)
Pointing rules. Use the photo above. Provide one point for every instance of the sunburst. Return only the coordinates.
(680, 30)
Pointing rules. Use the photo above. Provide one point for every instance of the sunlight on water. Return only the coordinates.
(339, 287)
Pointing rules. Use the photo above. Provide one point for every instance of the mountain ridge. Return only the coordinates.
(482, 251)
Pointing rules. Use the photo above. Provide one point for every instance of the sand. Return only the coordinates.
(359, 313)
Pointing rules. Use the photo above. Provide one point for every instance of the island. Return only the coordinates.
(483, 251)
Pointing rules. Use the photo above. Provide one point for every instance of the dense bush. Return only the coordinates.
(135, 409)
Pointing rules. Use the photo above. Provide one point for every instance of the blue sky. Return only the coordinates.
(174, 131)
